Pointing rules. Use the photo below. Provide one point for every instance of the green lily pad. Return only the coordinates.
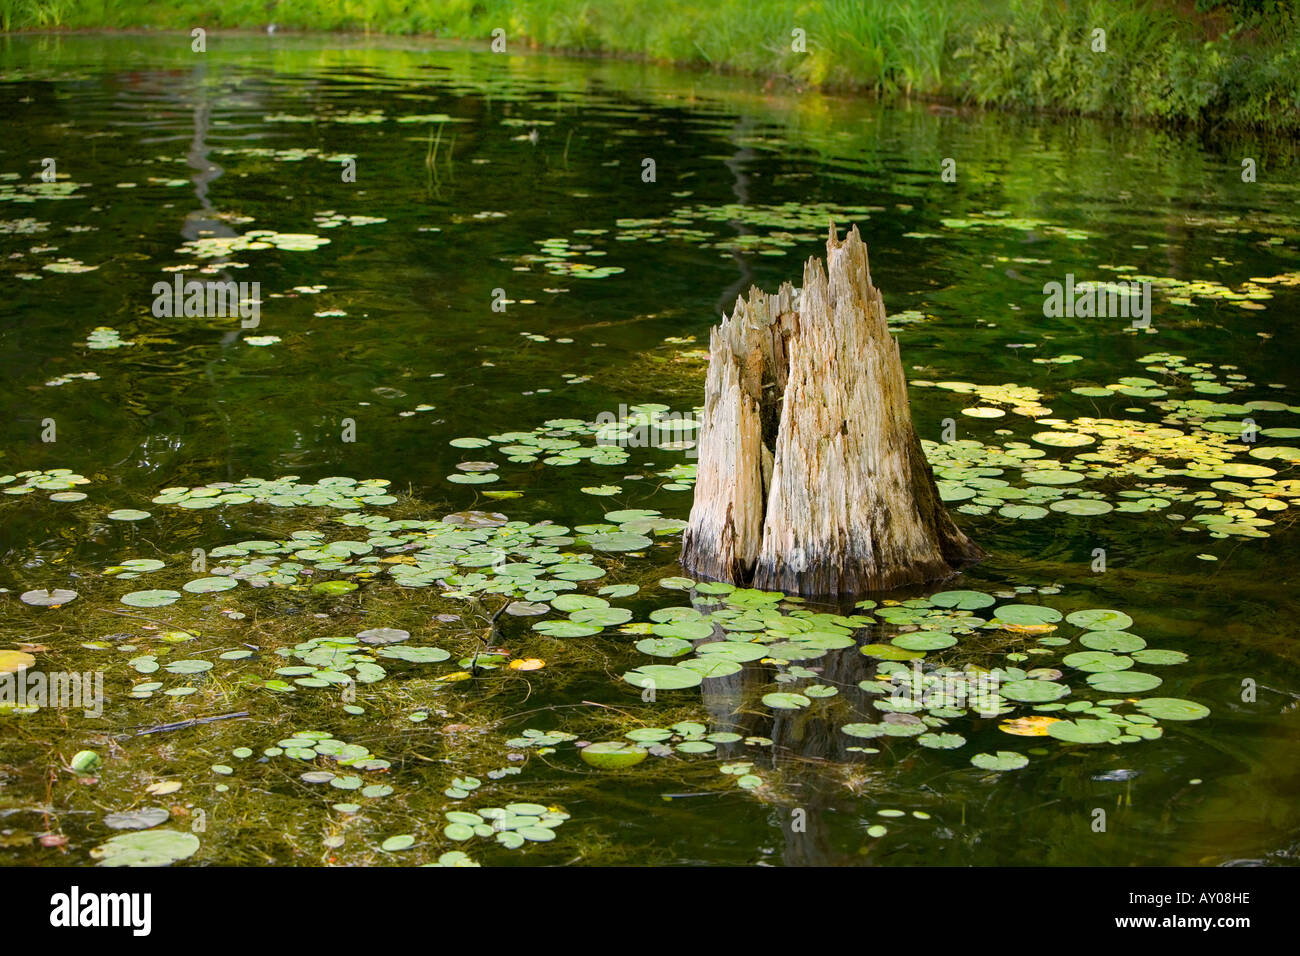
(1083, 731)
(741, 651)
(663, 677)
(686, 630)
(415, 655)
(616, 541)
(156, 598)
(602, 616)
(1123, 682)
(1093, 661)
(146, 848)
(1154, 656)
(924, 641)
(1033, 691)
(663, 646)
(1172, 708)
(1002, 760)
(1118, 642)
(864, 730)
(189, 667)
(962, 600)
(785, 700)
(612, 755)
(334, 587)
(712, 666)
(1026, 615)
(1100, 619)
(207, 585)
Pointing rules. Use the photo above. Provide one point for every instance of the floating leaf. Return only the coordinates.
(962, 600)
(1035, 726)
(207, 585)
(1114, 641)
(1033, 691)
(1093, 661)
(44, 598)
(1100, 620)
(784, 700)
(11, 661)
(1084, 731)
(146, 848)
(1172, 708)
(383, 635)
(1002, 760)
(663, 677)
(137, 819)
(157, 598)
(1026, 615)
(1123, 682)
(612, 755)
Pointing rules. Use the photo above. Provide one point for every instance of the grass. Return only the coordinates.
(1179, 61)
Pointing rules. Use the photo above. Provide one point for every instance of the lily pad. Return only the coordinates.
(43, 598)
(1100, 619)
(1033, 691)
(11, 661)
(207, 585)
(156, 598)
(146, 848)
(962, 600)
(1172, 708)
(663, 677)
(1094, 661)
(612, 755)
(1118, 642)
(1084, 731)
(1123, 682)
(1026, 615)
(1002, 760)
(141, 819)
(383, 635)
(784, 700)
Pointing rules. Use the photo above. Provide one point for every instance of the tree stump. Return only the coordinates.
(811, 479)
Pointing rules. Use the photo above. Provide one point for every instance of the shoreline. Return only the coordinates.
(1144, 95)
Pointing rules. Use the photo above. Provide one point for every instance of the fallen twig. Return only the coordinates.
(194, 722)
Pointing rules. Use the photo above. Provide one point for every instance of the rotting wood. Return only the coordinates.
(811, 479)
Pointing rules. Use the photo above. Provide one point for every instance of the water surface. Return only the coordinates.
(477, 173)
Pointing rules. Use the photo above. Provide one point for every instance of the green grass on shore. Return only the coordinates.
(1201, 62)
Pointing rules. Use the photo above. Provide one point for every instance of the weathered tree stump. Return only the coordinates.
(811, 479)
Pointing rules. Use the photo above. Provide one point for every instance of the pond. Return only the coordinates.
(474, 298)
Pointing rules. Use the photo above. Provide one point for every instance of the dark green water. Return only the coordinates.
(168, 146)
